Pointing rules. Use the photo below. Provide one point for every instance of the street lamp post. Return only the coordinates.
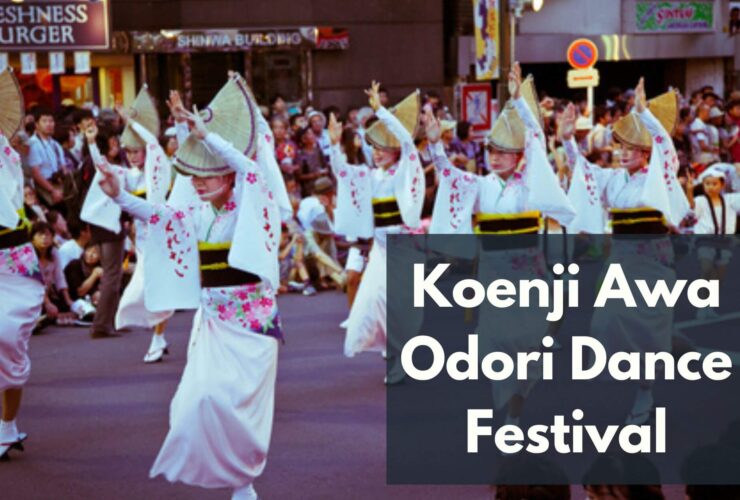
(510, 11)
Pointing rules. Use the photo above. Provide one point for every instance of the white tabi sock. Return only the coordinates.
(245, 493)
(8, 431)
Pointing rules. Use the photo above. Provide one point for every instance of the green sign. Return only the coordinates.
(674, 17)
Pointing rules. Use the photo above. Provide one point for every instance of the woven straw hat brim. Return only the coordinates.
(11, 103)
(508, 132)
(408, 112)
(630, 131)
(232, 115)
(144, 111)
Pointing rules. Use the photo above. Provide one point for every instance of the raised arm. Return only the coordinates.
(232, 156)
(143, 132)
(521, 106)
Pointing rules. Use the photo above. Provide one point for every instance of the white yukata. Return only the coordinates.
(21, 284)
(346, 219)
(533, 190)
(655, 187)
(709, 219)
(153, 183)
(222, 413)
(358, 186)
(716, 221)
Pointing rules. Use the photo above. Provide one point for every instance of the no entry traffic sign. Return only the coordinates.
(582, 54)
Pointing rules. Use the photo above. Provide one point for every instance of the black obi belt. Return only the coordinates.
(386, 212)
(215, 271)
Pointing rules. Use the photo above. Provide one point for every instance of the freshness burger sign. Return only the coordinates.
(54, 24)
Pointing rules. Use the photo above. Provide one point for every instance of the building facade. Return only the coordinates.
(318, 52)
(685, 44)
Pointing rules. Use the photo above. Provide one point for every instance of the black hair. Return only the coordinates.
(275, 99)
(299, 135)
(600, 112)
(81, 114)
(294, 119)
(463, 130)
(333, 109)
(355, 155)
(40, 111)
(76, 227)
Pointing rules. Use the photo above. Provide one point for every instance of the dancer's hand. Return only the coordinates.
(109, 183)
(123, 113)
(640, 99)
(373, 94)
(176, 106)
(335, 129)
(515, 81)
(567, 122)
(91, 133)
(197, 125)
(431, 126)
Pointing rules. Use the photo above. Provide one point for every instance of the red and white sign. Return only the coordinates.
(583, 54)
(475, 104)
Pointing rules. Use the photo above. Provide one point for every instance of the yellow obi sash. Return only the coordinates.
(519, 223)
(386, 212)
(644, 220)
(215, 271)
(16, 236)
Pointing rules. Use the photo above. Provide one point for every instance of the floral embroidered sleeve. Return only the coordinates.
(138, 207)
(662, 142)
(662, 189)
(408, 172)
(458, 193)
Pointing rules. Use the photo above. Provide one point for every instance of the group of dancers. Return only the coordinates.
(208, 229)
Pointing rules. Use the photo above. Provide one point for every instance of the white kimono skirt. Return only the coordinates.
(21, 285)
(359, 188)
(221, 415)
(656, 187)
(532, 188)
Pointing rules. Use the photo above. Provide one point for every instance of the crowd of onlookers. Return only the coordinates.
(59, 172)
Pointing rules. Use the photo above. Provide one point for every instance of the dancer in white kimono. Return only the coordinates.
(373, 203)
(150, 177)
(507, 203)
(22, 292)
(219, 255)
(643, 197)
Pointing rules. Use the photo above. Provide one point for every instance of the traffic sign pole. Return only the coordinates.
(582, 54)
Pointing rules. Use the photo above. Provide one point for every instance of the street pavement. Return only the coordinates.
(96, 416)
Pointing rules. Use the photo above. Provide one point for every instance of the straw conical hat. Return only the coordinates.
(11, 104)
(508, 131)
(144, 111)
(232, 116)
(630, 131)
(408, 113)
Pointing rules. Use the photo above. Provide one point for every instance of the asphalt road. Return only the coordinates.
(96, 416)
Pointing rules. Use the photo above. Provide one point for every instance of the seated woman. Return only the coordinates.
(84, 274)
(57, 302)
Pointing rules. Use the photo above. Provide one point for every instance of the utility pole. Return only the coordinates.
(507, 30)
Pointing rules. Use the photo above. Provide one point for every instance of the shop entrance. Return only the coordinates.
(277, 72)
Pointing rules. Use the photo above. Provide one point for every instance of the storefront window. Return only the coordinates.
(38, 89)
(76, 88)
